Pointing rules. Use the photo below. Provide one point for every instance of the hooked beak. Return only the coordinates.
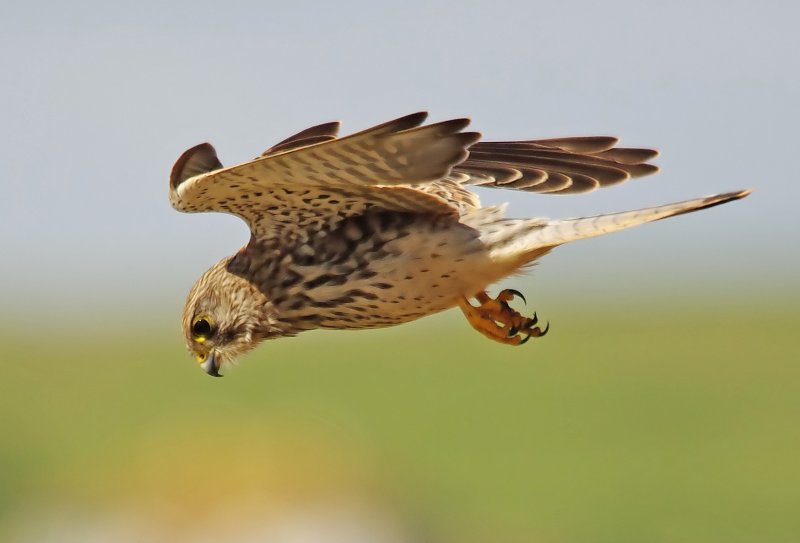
(210, 365)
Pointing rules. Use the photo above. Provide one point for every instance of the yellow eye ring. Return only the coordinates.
(202, 328)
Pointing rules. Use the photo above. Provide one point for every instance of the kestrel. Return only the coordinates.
(379, 228)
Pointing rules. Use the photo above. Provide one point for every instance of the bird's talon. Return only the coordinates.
(496, 320)
(516, 293)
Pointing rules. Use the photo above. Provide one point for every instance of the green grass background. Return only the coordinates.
(671, 422)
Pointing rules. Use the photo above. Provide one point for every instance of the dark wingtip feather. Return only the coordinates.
(401, 123)
(457, 125)
(315, 134)
(296, 144)
(629, 155)
(442, 128)
(324, 129)
(198, 160)
(580, 144)
(641, 170)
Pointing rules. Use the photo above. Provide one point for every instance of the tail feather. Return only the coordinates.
(553, 233)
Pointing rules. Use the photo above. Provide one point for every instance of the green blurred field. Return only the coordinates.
(636, 425)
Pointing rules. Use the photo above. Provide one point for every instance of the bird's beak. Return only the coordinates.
(210, 365)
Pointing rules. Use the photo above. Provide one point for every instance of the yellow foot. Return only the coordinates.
(496, 320)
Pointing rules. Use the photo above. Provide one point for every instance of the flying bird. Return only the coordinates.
(380, 227)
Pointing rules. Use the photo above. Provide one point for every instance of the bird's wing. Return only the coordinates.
(313, 180)
(554, 166)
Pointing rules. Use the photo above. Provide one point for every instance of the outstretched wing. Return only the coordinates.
(554, 166)
(312, 180)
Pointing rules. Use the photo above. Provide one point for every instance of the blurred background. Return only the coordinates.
(662, 406)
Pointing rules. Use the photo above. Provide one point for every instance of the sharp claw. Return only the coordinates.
(546, 328)
(518, 294)
(496, 320)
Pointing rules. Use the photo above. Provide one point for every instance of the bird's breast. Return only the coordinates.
(375, 271)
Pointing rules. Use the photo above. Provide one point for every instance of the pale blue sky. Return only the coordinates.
(98, 100)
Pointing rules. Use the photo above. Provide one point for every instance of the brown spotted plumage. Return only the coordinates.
(379, 228)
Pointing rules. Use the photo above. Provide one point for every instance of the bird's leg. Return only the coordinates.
(496, 320)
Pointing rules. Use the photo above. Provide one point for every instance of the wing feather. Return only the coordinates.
(316, 134)
(198, 160)
(590, 162)
(308, 182)
(298, 189)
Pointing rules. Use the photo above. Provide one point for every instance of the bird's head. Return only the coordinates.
(225, 316)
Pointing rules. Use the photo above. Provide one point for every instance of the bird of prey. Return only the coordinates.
(380, 228)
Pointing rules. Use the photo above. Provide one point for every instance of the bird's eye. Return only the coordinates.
(201, 329)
